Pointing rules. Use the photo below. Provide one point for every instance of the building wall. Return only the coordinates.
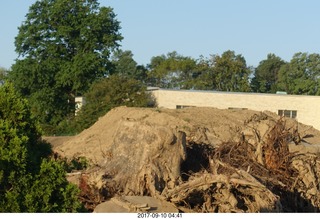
(307, 107)
(79, 102)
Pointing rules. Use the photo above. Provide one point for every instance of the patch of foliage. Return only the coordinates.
(104, 95)
(29, 180)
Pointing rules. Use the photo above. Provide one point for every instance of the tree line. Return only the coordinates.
(229, 72)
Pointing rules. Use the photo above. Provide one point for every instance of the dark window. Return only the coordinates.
(288, 113)
(181, 106)
(294, 114)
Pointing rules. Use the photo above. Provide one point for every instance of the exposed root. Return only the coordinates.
(235, 181)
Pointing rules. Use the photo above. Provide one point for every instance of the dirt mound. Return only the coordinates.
(200, 159)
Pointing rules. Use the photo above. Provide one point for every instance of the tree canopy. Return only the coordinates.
(63, 47)
(231, 72)
(228, 72)
(124, 65)
(266, 74)
(301, 75)
(171, 70)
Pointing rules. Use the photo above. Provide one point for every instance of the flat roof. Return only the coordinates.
(237, 93)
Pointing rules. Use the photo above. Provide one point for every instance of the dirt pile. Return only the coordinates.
(200, 160)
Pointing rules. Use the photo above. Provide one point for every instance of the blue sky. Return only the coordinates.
(252, 28)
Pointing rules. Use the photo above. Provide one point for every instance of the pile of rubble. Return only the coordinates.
(197, 160)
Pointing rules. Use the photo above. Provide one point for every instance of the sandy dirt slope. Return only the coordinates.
(219, 126)
(200, 159)
(57, 141)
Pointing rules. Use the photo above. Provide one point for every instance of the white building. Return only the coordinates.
(306, 109)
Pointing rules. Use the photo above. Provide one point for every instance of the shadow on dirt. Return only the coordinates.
(197, 159)
(292, 202)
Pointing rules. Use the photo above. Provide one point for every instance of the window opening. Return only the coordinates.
(288, 113)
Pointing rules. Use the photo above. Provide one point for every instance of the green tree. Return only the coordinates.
(63, 47)
(29, 181)
(157, 71)
(301, 75)
(228, 72)
(266, 74)
(204, 75)
(123, 62)
(108, 93)
(125, 65)
(171, 71)
(231, 72)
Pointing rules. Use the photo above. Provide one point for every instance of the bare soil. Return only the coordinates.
(198, 159)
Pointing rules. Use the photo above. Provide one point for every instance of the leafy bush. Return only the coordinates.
(29, 181)
(111, 92)
(104, 95)
(76, 163)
